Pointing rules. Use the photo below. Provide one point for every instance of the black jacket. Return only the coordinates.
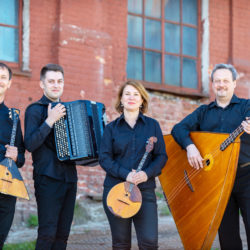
(39, 140)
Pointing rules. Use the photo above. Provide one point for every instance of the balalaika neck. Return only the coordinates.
(142, 162)
(237, 132)
(13, 132)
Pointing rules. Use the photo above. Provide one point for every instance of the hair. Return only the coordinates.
(3, 65)
(141, 90)
(224, 66)
(50, 67)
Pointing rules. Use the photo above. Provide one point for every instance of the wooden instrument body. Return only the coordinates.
(122, 202)
(11, 182)
(198, 213)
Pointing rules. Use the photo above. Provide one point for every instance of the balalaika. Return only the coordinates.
(78, 134)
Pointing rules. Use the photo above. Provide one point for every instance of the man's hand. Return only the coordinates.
(11, 152)
(55, 114)
(246, 125)
(194, 156)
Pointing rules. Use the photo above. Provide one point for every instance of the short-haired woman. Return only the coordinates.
(122, 148)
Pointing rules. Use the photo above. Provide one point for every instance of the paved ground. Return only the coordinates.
(100, 238)
(94, 234)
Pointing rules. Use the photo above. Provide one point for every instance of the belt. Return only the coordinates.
(245, 165)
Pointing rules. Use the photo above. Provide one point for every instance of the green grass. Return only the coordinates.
(20, 246)
(32, 221)
(159, 195)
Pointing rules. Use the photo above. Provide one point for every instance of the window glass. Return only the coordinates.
(9, 45)
(152, 34)
(152, 67)
(172, 38)
(134, 64)
(135, 6)
(172, 70)
(135, 30)
(189, 73)
(153, 8)
(9, 12)
(172, 10)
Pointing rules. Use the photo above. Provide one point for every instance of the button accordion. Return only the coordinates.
(78, 134)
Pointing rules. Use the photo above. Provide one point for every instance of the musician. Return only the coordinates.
(122, 148)
(223, 115)
(16, 153)
(55, 182)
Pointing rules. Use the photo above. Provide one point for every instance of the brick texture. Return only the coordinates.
(89, 39)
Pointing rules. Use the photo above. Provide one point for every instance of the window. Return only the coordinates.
(163, 44)
(10, 31)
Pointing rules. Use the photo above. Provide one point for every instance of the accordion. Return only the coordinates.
(78, 134)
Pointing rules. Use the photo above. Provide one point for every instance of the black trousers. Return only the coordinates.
(239, 202)
(55, 205)
(7, 211)
(145, 222)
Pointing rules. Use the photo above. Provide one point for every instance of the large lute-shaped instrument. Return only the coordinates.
(198, 198)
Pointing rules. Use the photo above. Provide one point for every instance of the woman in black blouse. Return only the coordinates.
(122, 148)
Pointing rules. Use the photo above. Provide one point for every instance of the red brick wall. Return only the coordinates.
(89, 39)
(231, 46)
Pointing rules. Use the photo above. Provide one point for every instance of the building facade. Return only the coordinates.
(169, 45)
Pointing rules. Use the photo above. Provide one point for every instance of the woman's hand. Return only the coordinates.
(130, 177)
(140, 177)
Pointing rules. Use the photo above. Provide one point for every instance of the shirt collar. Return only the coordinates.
(140, 117)
(45, 100)
(2, 105)
(234, 99)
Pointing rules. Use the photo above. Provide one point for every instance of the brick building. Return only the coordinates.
(169, 45)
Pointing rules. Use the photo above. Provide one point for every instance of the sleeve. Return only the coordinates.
(159, 155)
(181, 131)
(106, 157)
(36, 130)
(20, 146)
(247, 109)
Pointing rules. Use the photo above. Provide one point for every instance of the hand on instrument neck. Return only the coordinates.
(246, 125)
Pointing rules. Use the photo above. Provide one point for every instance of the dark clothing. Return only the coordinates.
(145, 222)
(7, 202)
(39, 140)
(6, 125)
(122, 149)
(7, 211)
(213, 118)
(55, 181)
(55, 203)
(229, 231)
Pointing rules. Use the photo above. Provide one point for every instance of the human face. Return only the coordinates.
(4, 81)
(131, 99)
(53, 85)
(223, 85)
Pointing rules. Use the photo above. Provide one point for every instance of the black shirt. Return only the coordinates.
(213, 118)
(123, 147)
(6, 125)
(39, 140)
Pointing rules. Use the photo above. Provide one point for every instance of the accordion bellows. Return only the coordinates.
(78, 134)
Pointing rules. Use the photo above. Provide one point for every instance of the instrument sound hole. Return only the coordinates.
(207, 162)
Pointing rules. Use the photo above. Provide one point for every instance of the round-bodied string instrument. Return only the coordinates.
(124, 199)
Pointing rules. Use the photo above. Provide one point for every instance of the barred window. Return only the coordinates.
(163, 44)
